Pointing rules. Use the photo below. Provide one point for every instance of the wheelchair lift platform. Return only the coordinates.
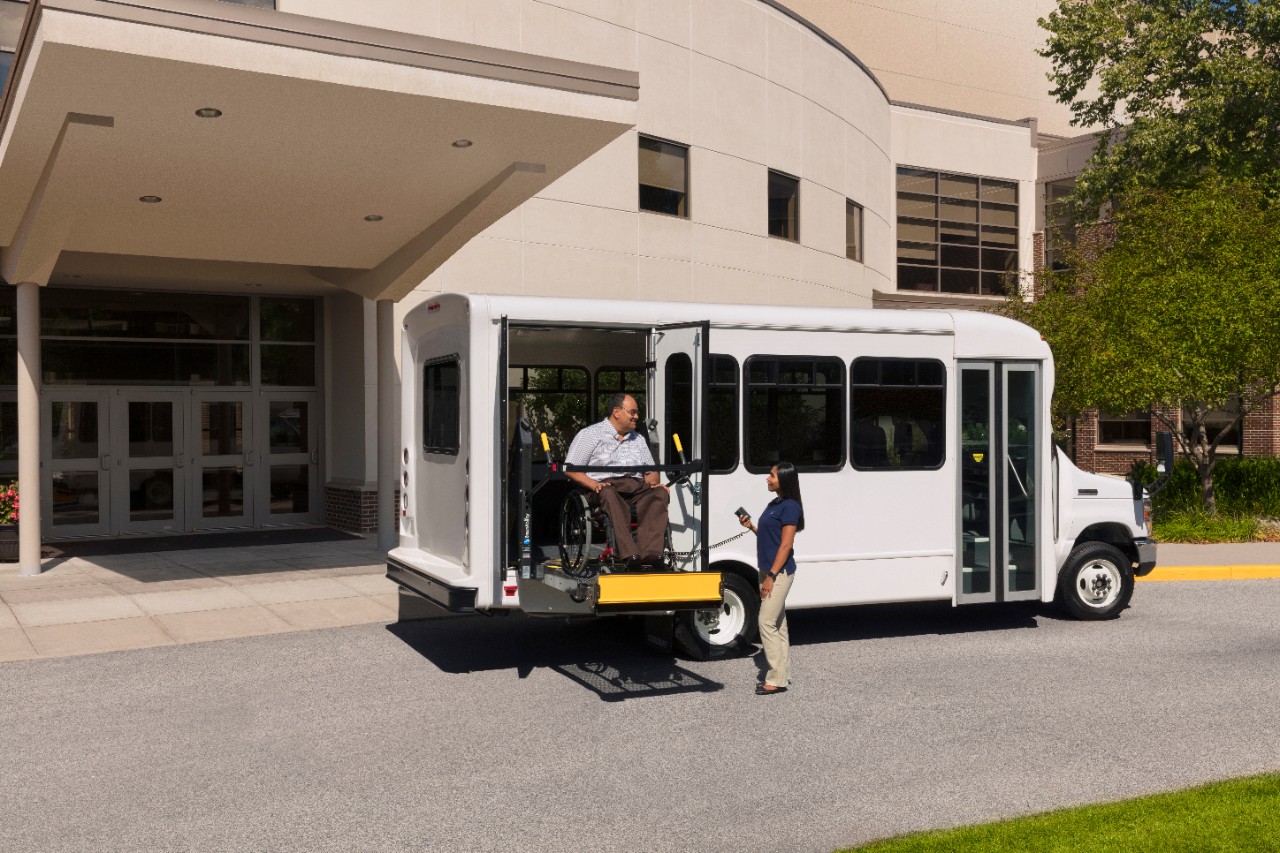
(620, 592)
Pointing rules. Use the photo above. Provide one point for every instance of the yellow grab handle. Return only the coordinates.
(546, 445)
(676, 439)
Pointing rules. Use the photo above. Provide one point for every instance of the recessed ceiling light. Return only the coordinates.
(150, 199)
(373, 217)
(208, 112)
(462, 143)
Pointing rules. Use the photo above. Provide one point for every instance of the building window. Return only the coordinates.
(898, 414)
(664, 177)
(288, 350)
(784, 206)
(722, 426)
(553, 399)
(956, 233)
(1131, 429)
(853, 231)
(1216, 423)
(441, 406)
(1059, 230)
(794, 412)
(11, 16)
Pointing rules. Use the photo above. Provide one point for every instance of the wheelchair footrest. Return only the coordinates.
(661, 590)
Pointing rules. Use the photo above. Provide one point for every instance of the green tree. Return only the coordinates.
(1175, 305)
(1175, 87)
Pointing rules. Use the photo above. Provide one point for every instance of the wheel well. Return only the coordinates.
(1112, 534)
(747, 573)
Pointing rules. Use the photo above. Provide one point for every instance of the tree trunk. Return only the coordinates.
(1203, 456)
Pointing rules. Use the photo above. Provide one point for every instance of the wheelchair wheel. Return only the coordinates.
(575, 536)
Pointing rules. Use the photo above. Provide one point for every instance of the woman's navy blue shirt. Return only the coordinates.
(779, 513)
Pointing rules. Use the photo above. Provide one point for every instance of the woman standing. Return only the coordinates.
(781, 520)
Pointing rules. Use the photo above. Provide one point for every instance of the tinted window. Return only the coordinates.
(722, 402)
(795, 412)
(441, 404)
(898, 414)
(679, 408)
(664, 177)
(784, 206)
(553, 399)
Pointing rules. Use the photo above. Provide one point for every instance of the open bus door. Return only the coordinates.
(679, 362)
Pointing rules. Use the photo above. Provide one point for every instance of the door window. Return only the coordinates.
(441, 402)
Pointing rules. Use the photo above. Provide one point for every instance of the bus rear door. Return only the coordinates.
(678, 369)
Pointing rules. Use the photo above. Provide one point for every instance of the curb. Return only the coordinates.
(1211, 573)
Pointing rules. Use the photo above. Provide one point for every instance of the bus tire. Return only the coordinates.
(1096, 583)
(739, 617)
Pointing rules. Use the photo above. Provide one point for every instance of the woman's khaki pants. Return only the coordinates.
(773, 632)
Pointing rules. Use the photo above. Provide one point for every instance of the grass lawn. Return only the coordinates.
(1198, 527)
(1239, 815)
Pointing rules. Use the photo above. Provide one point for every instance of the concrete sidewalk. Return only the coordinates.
(83, 605)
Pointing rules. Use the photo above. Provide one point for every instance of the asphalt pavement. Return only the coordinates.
(515, 734)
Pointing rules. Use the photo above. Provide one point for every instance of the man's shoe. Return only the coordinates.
(768, 690)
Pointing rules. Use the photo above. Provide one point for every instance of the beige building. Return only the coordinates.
(212, 213)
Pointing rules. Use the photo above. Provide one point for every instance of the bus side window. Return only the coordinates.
(554, 399)
(898, 409)
(794, 411)
(722, 426)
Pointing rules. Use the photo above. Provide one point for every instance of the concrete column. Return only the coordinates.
(28, 428)
(388, 417)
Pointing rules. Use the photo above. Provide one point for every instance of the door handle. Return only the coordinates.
(248, 458)
(178, 461)
(106, 462)
(315, 456)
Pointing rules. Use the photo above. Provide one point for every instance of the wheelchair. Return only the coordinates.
(587, 543)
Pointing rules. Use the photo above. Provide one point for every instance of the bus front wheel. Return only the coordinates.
(735, 630)
(1097, 582)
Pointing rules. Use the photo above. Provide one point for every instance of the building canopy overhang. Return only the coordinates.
(338, 157)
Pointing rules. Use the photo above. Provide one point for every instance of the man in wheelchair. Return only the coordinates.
(614, 442)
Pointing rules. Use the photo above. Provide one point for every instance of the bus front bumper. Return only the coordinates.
(1146, 556)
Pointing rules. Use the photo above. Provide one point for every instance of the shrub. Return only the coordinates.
(1243, 487)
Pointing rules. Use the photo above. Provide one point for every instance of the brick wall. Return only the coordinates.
(353, 509)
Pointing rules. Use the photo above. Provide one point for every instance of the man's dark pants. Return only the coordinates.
(617, 497)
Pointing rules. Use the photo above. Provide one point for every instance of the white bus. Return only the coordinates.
(922, 439)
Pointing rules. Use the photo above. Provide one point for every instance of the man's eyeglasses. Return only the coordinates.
(630, 411)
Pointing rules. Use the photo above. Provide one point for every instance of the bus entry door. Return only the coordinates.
(1002, 436)
(678, 371)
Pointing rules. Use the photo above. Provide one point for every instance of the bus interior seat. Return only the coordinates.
(870, 445)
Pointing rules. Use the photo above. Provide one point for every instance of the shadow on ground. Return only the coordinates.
(608, 656)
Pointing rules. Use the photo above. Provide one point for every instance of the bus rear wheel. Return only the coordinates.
(1097, 582)
(735, 631)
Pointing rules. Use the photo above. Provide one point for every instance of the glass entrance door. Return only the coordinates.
(289, 479)
(1000, 510)
(77, 464)
(223, 460)
(149, 475)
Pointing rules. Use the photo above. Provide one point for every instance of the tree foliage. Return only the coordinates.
(1176, 305)
(1177, 87)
